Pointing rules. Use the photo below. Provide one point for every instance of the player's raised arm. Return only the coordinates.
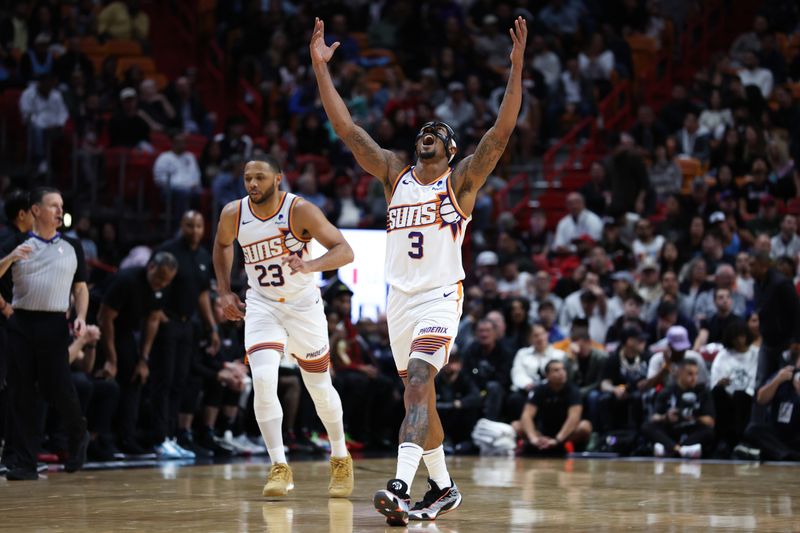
(223, 261)
(311, 222)
(472, 171)
(382, 164)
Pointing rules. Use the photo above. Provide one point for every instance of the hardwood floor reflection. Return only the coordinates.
(499, 495)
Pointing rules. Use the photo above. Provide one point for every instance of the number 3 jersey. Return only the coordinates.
(265, 243)
(425, 229)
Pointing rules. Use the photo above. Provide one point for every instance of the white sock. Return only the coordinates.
(408, 456)
(273, 439)
(437, 468)
(338, 446)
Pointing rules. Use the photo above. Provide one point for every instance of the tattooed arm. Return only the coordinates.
(382, 164)
(472, 171)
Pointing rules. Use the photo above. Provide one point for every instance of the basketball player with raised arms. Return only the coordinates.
(284, 313)
(430, 204)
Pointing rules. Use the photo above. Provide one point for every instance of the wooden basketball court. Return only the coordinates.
(499, 495)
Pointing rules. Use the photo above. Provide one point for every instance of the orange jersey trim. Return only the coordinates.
(238, 219)
(397, 178)
(280, 205)
(297, 235)
(452, 196)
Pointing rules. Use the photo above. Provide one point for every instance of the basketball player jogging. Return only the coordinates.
(284, 312)
(430, 205)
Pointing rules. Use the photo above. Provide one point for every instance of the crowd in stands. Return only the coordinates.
(632, 326)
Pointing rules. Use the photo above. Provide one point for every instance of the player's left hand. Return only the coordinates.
(296, 264)
(519, 36)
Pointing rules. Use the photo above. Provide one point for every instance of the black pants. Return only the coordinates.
(39, 362)
(669, 435)
(210, 390)
(625, 413)
(130, 394)
(169, 370)
(99, 398)
(5, 411)
(773, 446)
(733, 414)
(770, 360)
(458, 423)
(365, 402)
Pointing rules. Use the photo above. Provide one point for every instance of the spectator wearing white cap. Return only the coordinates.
(456, 110)
(126, 128)
(493, 44)
(577, 223)
(662, 369)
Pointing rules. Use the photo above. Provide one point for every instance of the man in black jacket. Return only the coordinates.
(488, 361)
(458, 400)
(777, 305)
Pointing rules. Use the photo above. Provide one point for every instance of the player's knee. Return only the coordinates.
(420, 380)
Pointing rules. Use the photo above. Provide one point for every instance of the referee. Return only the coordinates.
(45, 268)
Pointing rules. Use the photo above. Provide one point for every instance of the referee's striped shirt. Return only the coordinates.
(43, 281)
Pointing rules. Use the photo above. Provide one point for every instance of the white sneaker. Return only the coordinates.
(235, 444)
(166, 451)
(695, 451)
(658, 450)
(257, 445)
(184, 453)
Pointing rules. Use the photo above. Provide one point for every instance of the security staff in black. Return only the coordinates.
(172, 352)
(45, 267)
(131, 312)
(20, 220)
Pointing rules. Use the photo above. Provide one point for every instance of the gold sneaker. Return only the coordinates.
(341, 485)
(279, 480)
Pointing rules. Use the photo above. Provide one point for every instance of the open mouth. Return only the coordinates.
(428, 139)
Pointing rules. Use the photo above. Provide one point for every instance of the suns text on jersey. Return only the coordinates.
(264, 250)
(411, 216)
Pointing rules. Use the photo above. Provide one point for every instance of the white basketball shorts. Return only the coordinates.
(423, 325)
(296, 326)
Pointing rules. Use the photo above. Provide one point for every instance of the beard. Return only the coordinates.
(266, 195)
(427, 155)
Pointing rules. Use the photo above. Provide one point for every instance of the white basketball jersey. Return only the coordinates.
(265, 242)
(425, 229)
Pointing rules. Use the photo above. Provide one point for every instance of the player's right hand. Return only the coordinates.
(232, 306)
(320, 52)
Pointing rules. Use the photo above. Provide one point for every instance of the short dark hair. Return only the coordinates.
(38, 194)
(717, 289)
(688, 362)
(269, 160)
(163, 260)
(588, 297)
(550, 363)
(635, 296)
(761, 257)
(17, 201)
(547, 304)
(666, 308)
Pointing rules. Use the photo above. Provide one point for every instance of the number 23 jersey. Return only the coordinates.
(265, 243)
(425, 230)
